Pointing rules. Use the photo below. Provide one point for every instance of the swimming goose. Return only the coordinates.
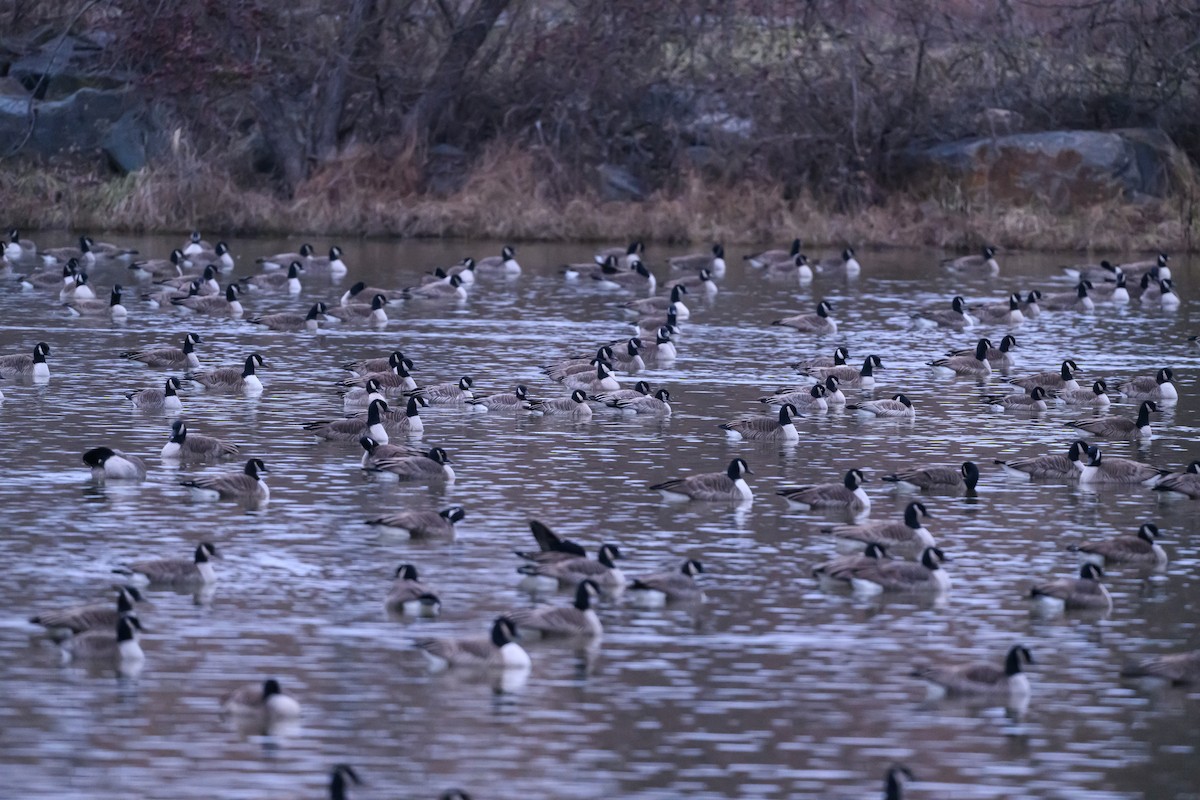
(658, 404)
(339, 781)
(765, 429)
(611, 264)
(576, 406)
(1104, 271)
(164, 399)
(672, 586)
(374, 451)
(226, 305)
(714, 262)
(118, 646)
(727, 486)
(195, 244)
(506, 261)
(93, 616)
(602, 381)
(848, 494)
(218, 256)
(1121, 428)
(57, 279)
(662, 350)
(840, 354)
(433, 467)
(810, 398)
(551, 546)
(1115, 292)
(903, 576)
(1009, 683)
(186, 446)
(1077, 300)
(984, 262)
(286, 322)
(231, 379)
(1033, 402)
(352, 429)
(19, 249)
(1118, 470)
(819, 322)
(1003, 313)
(1050, 381)
(629, 358)
(438, 394)
(205, 285)
(637, 278)
(333, 263)
(245, 486)
(660, 304)
(1167, 297)
(956, 318)
(833, 392)
(407, 422)
(164, 298)
(78, 289)
(998, 357)
(1140, 549)
(785, 269)
(501, 401)
(464, 269)
(626, 255)
(1158, 386)
(27, 366)
(409, 596)
(837, 571)
(264, 702)
(768, 257)
(578, 619)
(640, 389)
(570, 571)
(367, 366)
(1031, 307)
(848, 376)
(936, 478)
(1186, 483)
(908, 538)
(844, 261)
(359, 398)
(1177, 668)
(115, 465)
(160, 268)
(1094, 396)
(275, 281)
(59, 255)
(176, 571)
(393, 382)
(359, 292)
(372, 313)
(577, 366)
(281, 260)
(111, 307)
(648, 326)
(1074, 594)
(422, 524)
(499, 651)
(897, 407)
(701, 282)
(1048, 466)
(1157, 265)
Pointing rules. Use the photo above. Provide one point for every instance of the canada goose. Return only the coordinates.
(407, 422)
(847, 494)
(367, 366)
(637, 278)
(360, 291)
(983, 263)
(333, 263)
(1158, 386)
(1140, 549)
(360, 397)
(765, 429)
(195, 244)
(999, 357)
(281, 260)
(658, 404)
(107, 463)
(227, 380)
(18, 249)
(1121, 428)
(422, 524)
(110, 250)
(464, 269)
(164, 399)
(649, 326)
(1094, 396)
(702, 282)
(907, 538)
(339, 781)
(1050, 381)
(833, 391)
(610, 264)
(819, 322)
(768, 257)
(1031, 307)
(1103, 271)
(275, 281)
(848, 376)
(785, 269)
(844, 261)
(1009, 683)
(1074, 594)
(409, 596)
(626, 255)
(433, 467)
(1077, 300)
(226, 305)
(176, 571)
(208, 284)
(164, 298)
(840, 354)
(352, 429)
(936, 478)
(662, 349)
(1034, 401)
(1059, 467)
(374, 451)
(264, 702)
(27, 366)
(1148, 288)
(506, 261)
(246, 486)
(446, 393)
(893, 783)
(897, 407)
(79, 290)
(1185, 483)
(660, 304)
(576, 406)
(672, 586)
(372, 313)
(499, 651)
(837, 571)
(117, 646)
(578, 619)
(1115, 292)
(186, 446)
(1167, 297)
(576, 366)
(714, 261)
(903, 576)
(727, 486)
(93, 616)
(49, 280)
(1157, 265)
(97, 308)
(218, 256)
(59, 255)
(451, 289)
(292, 323)
(394, 381)
(629, 358)
(160, 268)
(956, 318)
(602, 381)
(1177, 668)
(1008, 313)
(810, 398)
(570, 571)
(551, 546)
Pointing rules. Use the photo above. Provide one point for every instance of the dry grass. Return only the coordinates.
(373, 192)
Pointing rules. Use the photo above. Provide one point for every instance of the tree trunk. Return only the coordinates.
(332, 101)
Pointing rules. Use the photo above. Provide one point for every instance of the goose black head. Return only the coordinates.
(378, 302)
(1091, 572)
(453, 514)
(608, 554)
(899, 398)
(1149, 531)
(466, 382)
(342, 776)
(406, 572)
(254, 466)
(413, 408)
(1037, 393)
(439, 455)
(958, 304)
(823, 308)
(585, 592)
(786, 412)
(913, 513)
(522, 392)
(504, 630)
(718, 251)
(507, 252)
(932, 558)
(205, 551)
(981, 349)
(692, 568)
(840, 354)
(737, 468)
(663, 395)
(970, 473)
(335, 253)
(578, 396)
(1164, 375)
(1009, 342)
(1012, 663)
(818, 391)
(368, 444)
(853, 478)
(96, 457)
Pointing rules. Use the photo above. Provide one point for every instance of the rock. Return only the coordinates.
(1060, 169)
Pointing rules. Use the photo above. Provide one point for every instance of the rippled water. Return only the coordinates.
(773, 688)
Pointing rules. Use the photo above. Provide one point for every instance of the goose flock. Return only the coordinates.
(383, 421)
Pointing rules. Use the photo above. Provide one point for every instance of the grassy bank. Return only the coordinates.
(505, 197)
